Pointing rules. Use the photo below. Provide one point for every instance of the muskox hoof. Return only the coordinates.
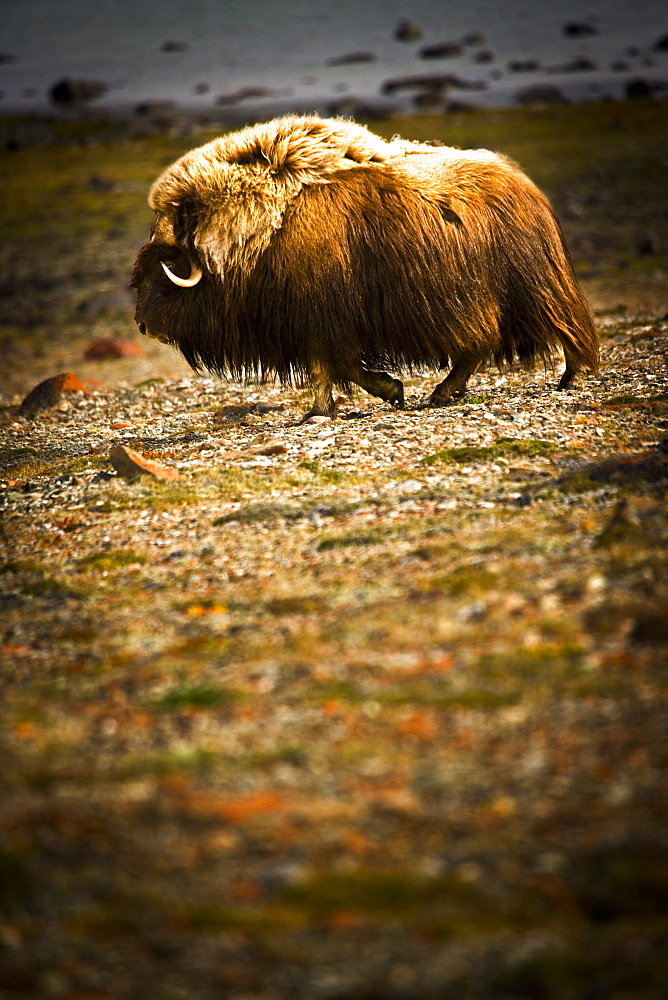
(316, 413)
(397, 401)
(567, 380)
(448, 400)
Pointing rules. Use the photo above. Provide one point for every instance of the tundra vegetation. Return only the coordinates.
(371, 707)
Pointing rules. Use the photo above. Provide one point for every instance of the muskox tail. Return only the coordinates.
(544, 305)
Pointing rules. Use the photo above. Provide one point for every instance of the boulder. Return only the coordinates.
(523, 65)
(243, 94)
(406, 31)
(70, 91)
(579, 29)
(432, 100)
(109, 347)
(350, 58)
(431, 82)
(49, 393)
(148, 109)
(131, 465)
(444, 50)
(638, 88)
(581, 64)
(540, 95)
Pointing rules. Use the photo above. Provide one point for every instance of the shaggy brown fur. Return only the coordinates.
(328, 253)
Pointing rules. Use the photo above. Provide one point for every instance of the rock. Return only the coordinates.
(444, 50)
(172, 46)
(147, 109)
(578, 29)
(523, 65)
(640, 88)
(661, 45)
(49, 393)
(429, 99)
(474, 38)
(620, 66)
(430, 81)
(6, 58)
(540, 95)
(238, 410)
(244, 94)
(130, 464)
(100, 184)
(269, 448)
(406, 31)
(107, 347)
(352, 57)
(358, 108)
(581, 64)
(70, 91)
(484, 56)
(202, 88)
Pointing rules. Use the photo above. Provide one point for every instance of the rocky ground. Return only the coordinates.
(368, 708)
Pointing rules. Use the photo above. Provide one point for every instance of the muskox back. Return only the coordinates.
(395, 257)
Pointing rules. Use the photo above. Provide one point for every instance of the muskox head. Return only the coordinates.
(162, 275)
(217, 209)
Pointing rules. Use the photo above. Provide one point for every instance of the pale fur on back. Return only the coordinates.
(240, 185)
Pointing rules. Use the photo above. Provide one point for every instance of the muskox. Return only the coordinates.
(312, 250)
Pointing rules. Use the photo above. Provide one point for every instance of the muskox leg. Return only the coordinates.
(323, 402)
(573, 366)
(382, 385)
(455, 383)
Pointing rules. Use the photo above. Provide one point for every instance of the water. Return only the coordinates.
(284, 47)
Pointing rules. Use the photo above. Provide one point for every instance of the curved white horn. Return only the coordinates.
(195, 276)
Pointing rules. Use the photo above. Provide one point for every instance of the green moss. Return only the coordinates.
(112, 559)
(257, 513)
(579, 482)
(471, 580)
(21, 566)
(503, 446)
(166, 762)
(620, 400)
(326, 474)
(372, 536)
(292, 753)
(10, 454)
(380, 893)
(434, 551)
(308, 604)
(197, 696)
(86, 462)
(51, 587)
(261, 512)
(335, 691)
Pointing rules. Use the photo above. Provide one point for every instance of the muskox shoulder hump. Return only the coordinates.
(304, 144)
